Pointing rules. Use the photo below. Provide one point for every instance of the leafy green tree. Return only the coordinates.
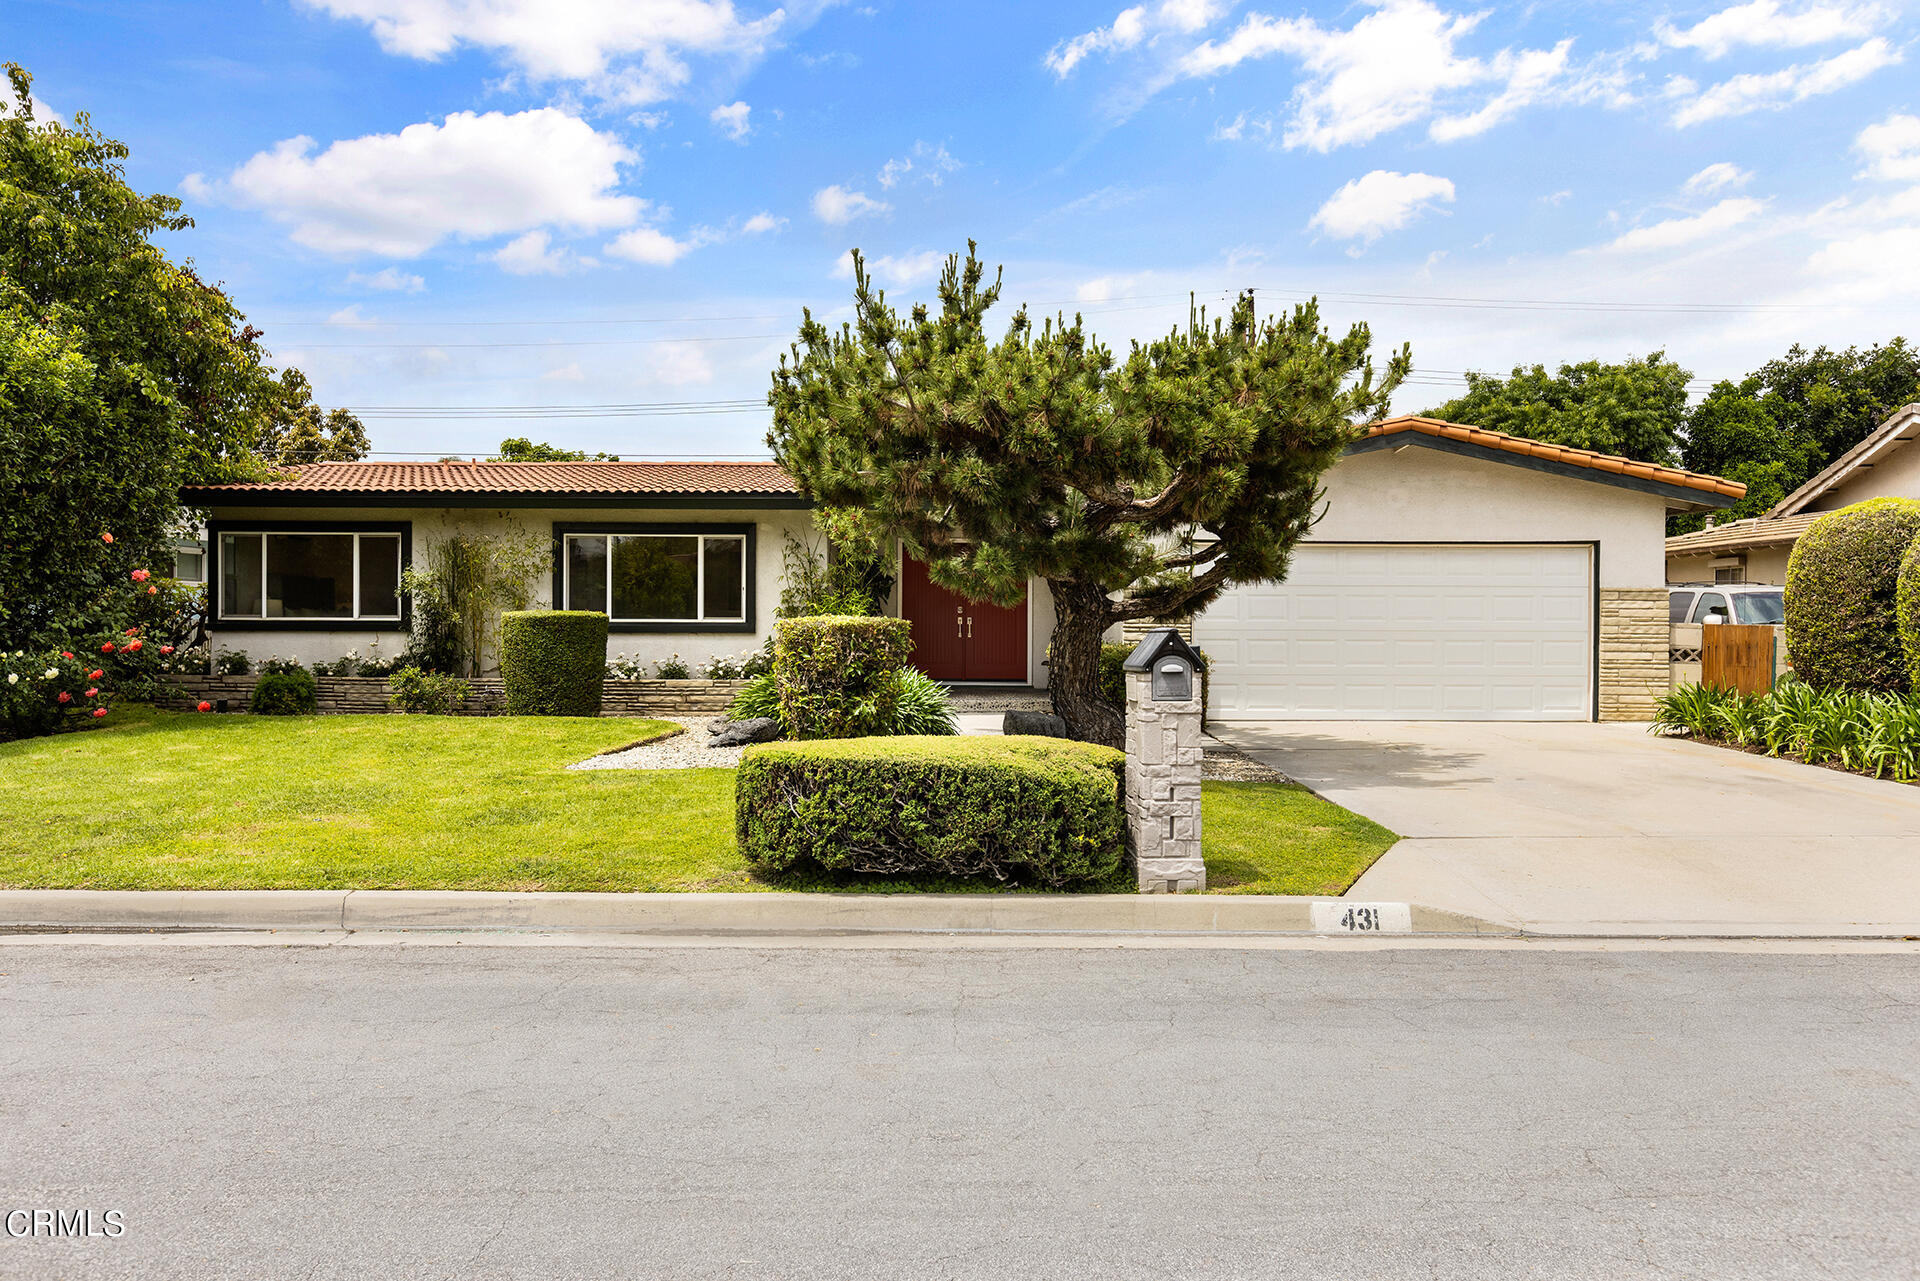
(518, 449)
(1635, 408)
(122, 375)
(1827, 402)
(1137, 489)
(1732, 433)
(297, 432)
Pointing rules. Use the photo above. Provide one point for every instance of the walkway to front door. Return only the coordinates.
(956, 639)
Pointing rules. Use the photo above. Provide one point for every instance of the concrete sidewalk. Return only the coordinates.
(1609, 830)
(712, 914)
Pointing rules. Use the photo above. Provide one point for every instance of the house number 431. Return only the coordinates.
(1362, 918)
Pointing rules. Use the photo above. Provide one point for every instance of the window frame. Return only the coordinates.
(216, 576)
(746, 624)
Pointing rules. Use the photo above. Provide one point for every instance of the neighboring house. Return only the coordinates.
(1755, 550)
(1458, 574)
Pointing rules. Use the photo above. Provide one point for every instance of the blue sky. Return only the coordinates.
(463, 204)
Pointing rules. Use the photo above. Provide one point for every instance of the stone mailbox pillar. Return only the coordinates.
(1163, 764)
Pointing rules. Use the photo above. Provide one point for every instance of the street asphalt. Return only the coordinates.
(594, 1112)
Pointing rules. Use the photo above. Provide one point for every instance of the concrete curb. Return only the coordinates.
(772, 913)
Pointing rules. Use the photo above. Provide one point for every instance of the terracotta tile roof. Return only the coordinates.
(559, 479)
(1755, 531)
(1559, 454)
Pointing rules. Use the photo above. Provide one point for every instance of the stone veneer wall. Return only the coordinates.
(1633, 652)
(364, 694)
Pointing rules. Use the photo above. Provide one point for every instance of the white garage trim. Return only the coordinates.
(1443, 630)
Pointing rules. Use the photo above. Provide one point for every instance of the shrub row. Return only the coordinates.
(1877, 734)
(1042, 811)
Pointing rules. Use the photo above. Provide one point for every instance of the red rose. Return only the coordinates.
(166, 649)
(106, 538)
(95, 674)
(133, 631)
(98, 712)
(65, 697)
(141, 575)
(107, 648)
(153, 591)
(204, 707)
(92, 692)
(64, 654)
(133, 647)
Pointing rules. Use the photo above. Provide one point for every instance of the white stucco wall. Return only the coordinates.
(1417, 494)
(432, 524)
(1895, 474)
(1762, 564)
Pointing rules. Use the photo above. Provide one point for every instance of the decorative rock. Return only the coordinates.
(757, 729)
(1045, 724)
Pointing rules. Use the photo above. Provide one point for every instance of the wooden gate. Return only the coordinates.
(1737, 656)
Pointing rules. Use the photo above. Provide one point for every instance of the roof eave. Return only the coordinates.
(1679, 498)
(216, 497)
(1888, 433)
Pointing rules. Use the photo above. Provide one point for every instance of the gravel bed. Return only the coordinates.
(1229, 764)
(682, 751)
(689, 750)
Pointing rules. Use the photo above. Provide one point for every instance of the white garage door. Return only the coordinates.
(1408, 632)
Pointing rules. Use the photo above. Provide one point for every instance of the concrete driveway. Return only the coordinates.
(1606, 829)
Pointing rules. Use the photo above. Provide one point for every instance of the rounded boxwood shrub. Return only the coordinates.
(1042, 811)
(1907, 611)
(1841, 583)
(839, 674)
(553, 661)
(289, 691)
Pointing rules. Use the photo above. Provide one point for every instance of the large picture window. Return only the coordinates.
(323, 575)
(672, 576)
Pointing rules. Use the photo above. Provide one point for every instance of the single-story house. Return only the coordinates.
(1457, 573)
(1755, 550)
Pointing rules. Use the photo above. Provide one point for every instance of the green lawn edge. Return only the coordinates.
(156, 800)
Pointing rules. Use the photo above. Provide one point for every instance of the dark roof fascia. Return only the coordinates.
(1692, 499)
(221, 498)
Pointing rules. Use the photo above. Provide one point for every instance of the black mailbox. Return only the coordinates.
(1169, 662)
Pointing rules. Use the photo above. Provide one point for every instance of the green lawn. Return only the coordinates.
(164, 800)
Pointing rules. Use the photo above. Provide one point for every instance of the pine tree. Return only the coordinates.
(1137, 489)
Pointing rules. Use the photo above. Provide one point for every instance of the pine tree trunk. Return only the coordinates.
(1073, 672)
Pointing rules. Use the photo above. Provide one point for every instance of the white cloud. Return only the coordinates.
(931, 161)
(629, 51)
(473, 177)
(1871, 266)
(1716, 178)
(1382, 201)
(651, 246)
(1132, 27)
(1394, 67)
(732, 120)
(568, 373)
(896, 271)
(1675, 233)
(388, 279)
(350, 317)
(1127, 29)
(535, 255)
(1892, 149)
(1767, 23)
(1756, 91)
(761, 223)
(838, 206)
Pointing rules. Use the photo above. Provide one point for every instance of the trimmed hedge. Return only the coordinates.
(1044, 811)
(553, 661)
(1841, 584)
(839, 675)
(1906, 610)
(286, 692)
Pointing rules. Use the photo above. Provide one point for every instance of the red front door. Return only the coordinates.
(956, 639)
